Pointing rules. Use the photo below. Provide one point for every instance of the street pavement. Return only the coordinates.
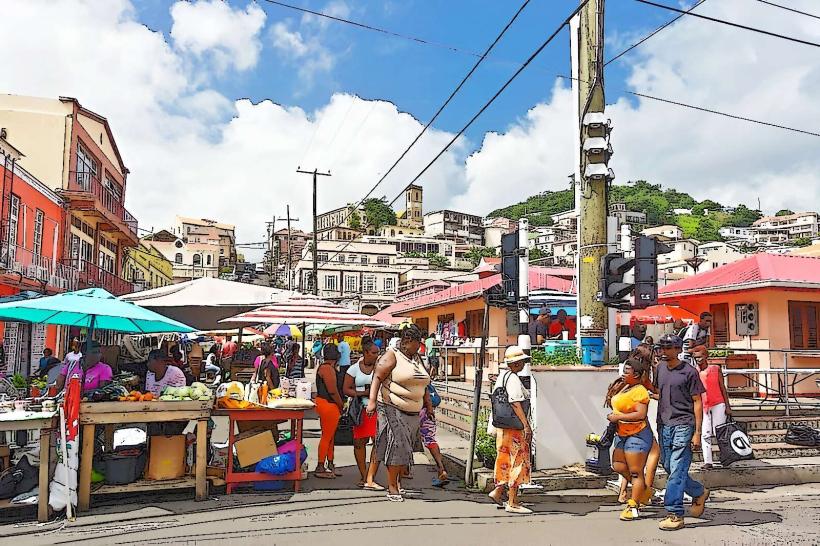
(336, 512)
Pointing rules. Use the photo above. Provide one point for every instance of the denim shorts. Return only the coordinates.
(641, 442)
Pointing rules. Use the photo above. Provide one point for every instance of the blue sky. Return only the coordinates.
(417, 78)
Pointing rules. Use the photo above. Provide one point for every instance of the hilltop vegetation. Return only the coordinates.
(659, 204)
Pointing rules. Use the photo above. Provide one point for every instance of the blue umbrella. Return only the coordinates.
(91, 308)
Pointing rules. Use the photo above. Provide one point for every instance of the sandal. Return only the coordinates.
(372, 487)
(332, 469)
(517, 509)
(395, 498)
(360, 484)
(499, 502)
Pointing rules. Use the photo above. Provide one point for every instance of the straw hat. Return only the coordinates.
(514, 354)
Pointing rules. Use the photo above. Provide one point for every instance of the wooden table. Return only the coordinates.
(295, 416)
(111, 413)
(45, 422)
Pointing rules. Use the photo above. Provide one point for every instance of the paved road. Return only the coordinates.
(341, 514)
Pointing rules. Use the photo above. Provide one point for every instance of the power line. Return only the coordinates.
(651, 34)
(713, 111)
(789, 9)
(429, 123)
(526, 63)
(731, 24)
(365, 26)
(725, 114)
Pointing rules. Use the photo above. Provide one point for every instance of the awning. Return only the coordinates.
(305, 310)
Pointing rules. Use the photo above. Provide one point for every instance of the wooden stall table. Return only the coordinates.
(45, 422)
(296, 418)
(134, 413)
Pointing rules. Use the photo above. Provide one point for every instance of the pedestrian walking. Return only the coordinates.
(715, 402)
(512, 462)
(680, 415)
(629, 400)
(357, 385)
(329, 407)
(397, 394)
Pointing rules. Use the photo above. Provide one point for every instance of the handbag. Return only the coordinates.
(503, 414)
(435, 398)
(800, 434)
(344, 432)
(253, 387)
(355, 408)
(733, 442)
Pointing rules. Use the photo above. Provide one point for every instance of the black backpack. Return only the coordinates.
(9, 479)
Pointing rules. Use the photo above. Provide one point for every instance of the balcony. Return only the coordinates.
(86, 193)
(93, 276)
(30, 266)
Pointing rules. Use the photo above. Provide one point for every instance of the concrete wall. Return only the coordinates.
(569, 404)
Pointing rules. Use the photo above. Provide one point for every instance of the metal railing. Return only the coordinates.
(38, 267)
(93, 276)
(90, 183)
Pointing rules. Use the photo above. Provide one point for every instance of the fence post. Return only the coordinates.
(479, 379)
(786, 381)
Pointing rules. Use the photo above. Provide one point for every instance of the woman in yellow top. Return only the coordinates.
(629, 400)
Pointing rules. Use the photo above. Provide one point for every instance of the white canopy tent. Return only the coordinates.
(204, 302)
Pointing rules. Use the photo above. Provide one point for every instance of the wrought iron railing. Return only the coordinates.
(93, 276)
(38, 267)
(90, 183)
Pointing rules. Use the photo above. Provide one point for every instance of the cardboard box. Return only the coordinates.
(166, 457)
(255, 447)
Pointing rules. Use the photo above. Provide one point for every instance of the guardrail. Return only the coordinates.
(88, 183)
(38, 267)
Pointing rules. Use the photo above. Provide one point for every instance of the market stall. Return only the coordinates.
(45, 422)
(93, 414)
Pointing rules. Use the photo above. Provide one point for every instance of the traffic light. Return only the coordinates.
(647, 251)
(613, 289)
(510, 268)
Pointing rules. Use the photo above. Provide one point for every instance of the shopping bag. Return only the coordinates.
(733, 443)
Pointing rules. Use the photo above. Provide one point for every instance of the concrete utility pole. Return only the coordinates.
(271, 234)
(592, 173)
(315, 173)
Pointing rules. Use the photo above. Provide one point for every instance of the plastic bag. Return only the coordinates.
(277, 464)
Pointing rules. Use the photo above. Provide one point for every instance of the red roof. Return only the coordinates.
(540, 279)
(757, 271)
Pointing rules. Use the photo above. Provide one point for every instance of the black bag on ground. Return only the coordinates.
(800, 434)
(733, 442)
(503, 414)
(9, 479)
(344, 432)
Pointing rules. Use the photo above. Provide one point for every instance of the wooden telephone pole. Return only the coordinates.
(315, 173)
(592, 175)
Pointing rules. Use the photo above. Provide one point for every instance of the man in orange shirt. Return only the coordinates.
(562, 323)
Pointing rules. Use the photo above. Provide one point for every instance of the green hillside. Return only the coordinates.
(658, 203)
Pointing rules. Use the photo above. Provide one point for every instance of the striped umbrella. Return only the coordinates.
(305, 310)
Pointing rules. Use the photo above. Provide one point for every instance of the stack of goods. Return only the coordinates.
(197, 391)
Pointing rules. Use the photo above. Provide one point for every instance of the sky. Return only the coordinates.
(215, 104)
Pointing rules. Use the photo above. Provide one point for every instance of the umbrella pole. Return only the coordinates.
(90, 336)
(304, 354)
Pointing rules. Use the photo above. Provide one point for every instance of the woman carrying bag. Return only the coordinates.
(511, 403)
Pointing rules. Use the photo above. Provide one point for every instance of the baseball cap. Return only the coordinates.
(670, 340)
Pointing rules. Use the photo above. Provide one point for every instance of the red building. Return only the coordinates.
(33, 234)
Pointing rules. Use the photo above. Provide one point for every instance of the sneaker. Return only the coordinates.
(699, 504)
(671, 523)
(630, 513)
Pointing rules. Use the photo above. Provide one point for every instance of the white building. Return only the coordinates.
(211, 232)
(625, 216)
(668, 231)
(717, 254)
(801, 225)
(456, 226)
(567, 220)
(189, 260)
(364, 276)
(495, 228)
(733, 233)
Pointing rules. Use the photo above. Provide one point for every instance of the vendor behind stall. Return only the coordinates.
(93, 372)
(161, 375)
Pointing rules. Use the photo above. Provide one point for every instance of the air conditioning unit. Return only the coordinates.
(747, 319)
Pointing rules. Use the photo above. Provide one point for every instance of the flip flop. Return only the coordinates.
(360, 485)
(498, 503)
(440, 483)
(517, 509)
(373, 487)
(324, 475)
(395, 498)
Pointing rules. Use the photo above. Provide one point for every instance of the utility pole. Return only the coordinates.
(287, 208)
(592, 174)
(271, 233)
(315, 173)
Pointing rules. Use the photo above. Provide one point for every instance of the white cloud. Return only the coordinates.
(230, 37)
(195, 152)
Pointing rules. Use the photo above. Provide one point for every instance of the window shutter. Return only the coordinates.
(796, 325)
(811, 326)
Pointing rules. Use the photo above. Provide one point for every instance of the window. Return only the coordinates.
(86, 250)
(331, 283)
(38, 232)
(197, 259)
(178, 258)
(364, 260)
(87, 168)
(383, 260)
(341, 258)
(14, 220)
(351, 283)
(475, 323)
(389, 285)
(369, 284)
(209, 259)
(720, 323)
(114, 187)
(321, 257)
(804, 317)
(444, 319)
